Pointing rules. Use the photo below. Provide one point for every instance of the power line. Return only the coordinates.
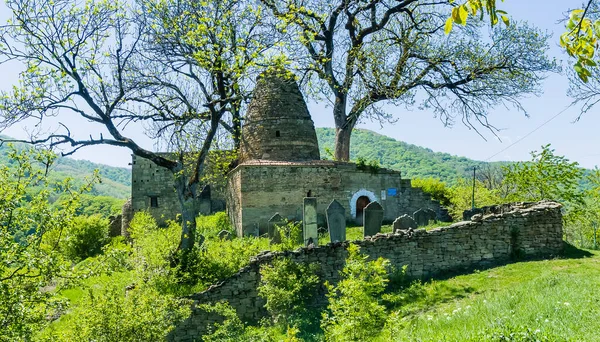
(530, 133)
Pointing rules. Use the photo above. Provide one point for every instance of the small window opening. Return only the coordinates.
(153, 201)
(277, 134)
(309, 193)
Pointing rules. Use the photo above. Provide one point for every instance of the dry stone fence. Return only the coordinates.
(525, 229)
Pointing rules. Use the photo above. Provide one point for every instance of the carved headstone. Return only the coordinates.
(423, 216)
(336, 221)
(205, 206)
(309, 221)
(373, 217)
(404, 222)
(274, 223)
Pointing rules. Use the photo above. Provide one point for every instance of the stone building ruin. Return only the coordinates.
(279, 165)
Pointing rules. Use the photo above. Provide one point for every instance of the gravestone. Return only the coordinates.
(467, 214)
(309, 222)
(205, 207)
(225, 235)
(404, 222)
(336, 221)
(423, 216)
(274, 231)
(373, 217)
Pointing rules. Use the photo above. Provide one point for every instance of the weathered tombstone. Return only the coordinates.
(404, 222)
(336, 221)
(432, 215)
(205, 206)
(373, 217)
(225, 235)
(309, 221)
(274, 223)
(423, 216)
(467, 214)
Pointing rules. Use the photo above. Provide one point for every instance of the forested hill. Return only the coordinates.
(413, 161)
(116, 181)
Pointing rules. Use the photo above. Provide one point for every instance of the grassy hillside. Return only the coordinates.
(413, 161)
(116, 181)
(550, 300)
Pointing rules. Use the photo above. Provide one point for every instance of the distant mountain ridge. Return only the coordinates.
(413, 161)
(116, 181)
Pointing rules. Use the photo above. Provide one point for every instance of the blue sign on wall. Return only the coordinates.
(392, 191)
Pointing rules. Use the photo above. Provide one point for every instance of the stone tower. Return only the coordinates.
(278, 125)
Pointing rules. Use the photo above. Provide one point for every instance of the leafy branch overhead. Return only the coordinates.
(461, 13)
(361, 56)
(581, 39)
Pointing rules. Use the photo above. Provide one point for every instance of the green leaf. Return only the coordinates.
(506, 20)
(448, 26)
(463, 14)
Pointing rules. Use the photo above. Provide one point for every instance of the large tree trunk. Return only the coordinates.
(342, 143)
(343, 129)
(187, 198)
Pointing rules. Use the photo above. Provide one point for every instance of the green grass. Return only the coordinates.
(552, 300)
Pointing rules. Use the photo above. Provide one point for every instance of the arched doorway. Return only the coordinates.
(361, 203)
(354, 201)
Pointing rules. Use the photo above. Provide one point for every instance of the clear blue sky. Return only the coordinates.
(577, 141)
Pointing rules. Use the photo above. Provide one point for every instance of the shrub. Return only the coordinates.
(288, 287)
(291, 236)
(232, 329)
(112, 314)
(211, 225)
(26, 220)
(218, 259)
(354, 311)
(86, 237)
(154, 251)
(115, 257)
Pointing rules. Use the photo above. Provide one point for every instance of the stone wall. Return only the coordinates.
(526, 229)
(257, 190)
(149, 180)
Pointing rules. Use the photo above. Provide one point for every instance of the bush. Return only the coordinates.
(86, 237)
(154, 251)
(354, 311)
(219, 259)
(114, 314)
(232, 329)
(291, 236)
(289, 289)
(211, 225)
(26, 220)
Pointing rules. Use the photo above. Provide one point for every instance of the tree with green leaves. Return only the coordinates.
(174, 66)
(361, 55)
(546, 177)
(27, 264)
(355, 312)
(582, 222)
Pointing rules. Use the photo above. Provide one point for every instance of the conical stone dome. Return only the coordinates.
(278, 125)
